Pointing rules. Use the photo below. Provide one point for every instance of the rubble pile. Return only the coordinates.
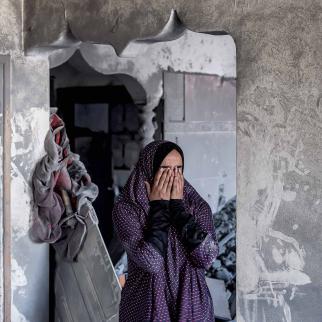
(224, 267)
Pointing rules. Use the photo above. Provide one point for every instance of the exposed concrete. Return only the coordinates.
(29, 124)
(11, 26)
(76, 72)
(146, 61)
(24, 276)
(4, 165)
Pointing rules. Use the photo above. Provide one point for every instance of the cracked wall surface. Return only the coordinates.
(278, 138)
(27, 110)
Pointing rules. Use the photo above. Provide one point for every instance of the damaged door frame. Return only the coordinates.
(173, 49)
(146, 60)
(5, 225)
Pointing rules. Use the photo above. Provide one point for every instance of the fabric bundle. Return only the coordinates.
(63, 193)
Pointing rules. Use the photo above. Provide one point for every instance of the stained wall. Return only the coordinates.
(25, 89)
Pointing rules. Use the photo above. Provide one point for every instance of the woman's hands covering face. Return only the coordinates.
(162, 184)
(177, 187)
(167, 184)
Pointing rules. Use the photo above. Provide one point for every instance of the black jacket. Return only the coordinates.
(162, 214)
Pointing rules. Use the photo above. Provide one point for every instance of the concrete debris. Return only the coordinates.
(224, 267)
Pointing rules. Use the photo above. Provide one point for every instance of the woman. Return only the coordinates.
(167, 231)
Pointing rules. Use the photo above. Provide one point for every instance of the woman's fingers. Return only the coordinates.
(181, 182)
(162, 179)
(170, 184)
(158, 176)
(166, 180)
(174, 186)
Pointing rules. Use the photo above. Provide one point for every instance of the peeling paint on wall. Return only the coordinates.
(29, 125)
(146, 63)
(276, 258)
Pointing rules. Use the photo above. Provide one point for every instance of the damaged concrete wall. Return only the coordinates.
(25, 123)
(29, 122)
(279, 120)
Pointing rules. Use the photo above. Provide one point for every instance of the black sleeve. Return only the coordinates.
(158, 224)
(189, 230)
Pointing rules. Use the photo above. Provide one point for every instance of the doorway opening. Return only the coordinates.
(108, 115)
(102, 119)
(101, 114)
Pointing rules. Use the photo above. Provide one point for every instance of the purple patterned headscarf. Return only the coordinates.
(134, 194)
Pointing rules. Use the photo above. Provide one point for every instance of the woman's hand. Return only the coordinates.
(162, 184)
(177, 188)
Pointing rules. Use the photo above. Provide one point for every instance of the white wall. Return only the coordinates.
(25, 126)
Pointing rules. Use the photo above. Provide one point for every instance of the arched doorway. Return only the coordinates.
(166, 68)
